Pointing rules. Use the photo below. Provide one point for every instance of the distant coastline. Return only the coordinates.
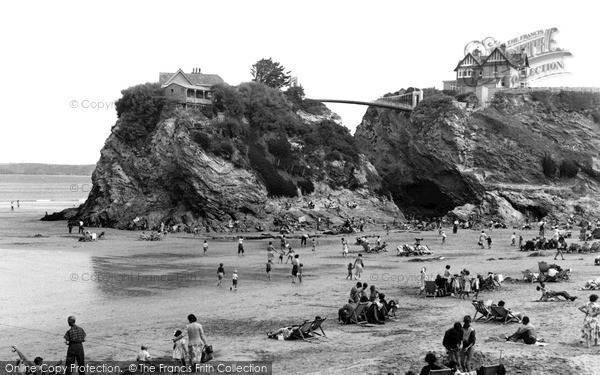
(47, 169)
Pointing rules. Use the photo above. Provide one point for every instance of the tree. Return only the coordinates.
(270, 73)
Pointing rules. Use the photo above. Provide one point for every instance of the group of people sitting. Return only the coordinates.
(376, 310)
(87, 236)
(463, 284)
(593, 284)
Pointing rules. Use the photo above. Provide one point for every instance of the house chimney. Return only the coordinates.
(476, 52)
(197, 70)
(503, 48)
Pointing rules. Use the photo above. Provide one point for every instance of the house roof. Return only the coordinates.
(195, 79)
(517, 60)
(478, 60)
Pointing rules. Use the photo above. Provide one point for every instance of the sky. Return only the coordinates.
(66, 62)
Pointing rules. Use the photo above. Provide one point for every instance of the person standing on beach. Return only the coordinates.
(234, 278)
(12, 206)
(241, 246)
(81, 229)
(205, 247)
(349, 277)
(482, 239)
(443, 237)
(303, 239)
(358, 266)
(18, 204)
(270, 251)
(196, 339)
(74, 338)
(591, 326)
(513, 239)
(220, 274)
(423, 278)
(295, 267)
(489, 241)
(314, 245)
(344, 248)
(269, 268)
(70, 226)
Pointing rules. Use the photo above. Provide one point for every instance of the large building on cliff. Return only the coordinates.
(499, 69)
(194, 88)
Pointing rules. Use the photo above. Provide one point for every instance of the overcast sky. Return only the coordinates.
(61, 56)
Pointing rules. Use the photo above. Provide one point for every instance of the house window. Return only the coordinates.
(460, 73)
(199, 94)
(481, 73)
(495, 69)
(171, 91)
(208, 95)
(469, 73)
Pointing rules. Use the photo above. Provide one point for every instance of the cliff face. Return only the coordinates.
(489, 163)
(261, 159)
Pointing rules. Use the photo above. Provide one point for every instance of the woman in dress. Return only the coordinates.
(423, 278)
(591, 326)
(468, 344)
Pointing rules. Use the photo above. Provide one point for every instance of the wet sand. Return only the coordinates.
(126, 292)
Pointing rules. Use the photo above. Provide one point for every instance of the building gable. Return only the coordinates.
(468, 60)
(179, 77)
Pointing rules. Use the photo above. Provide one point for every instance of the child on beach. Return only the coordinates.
(220, 274)
(269, 264)
(489, 241)
(290, 254)
(443, 237)
(300, 272)
(205, 246)
(179, 351)
(349, 271)
(143, 356)
(513, 239)
(344, 248)
(234, 277)
(314, 245)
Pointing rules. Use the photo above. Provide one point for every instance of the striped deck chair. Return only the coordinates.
(482, 309)
(358, 315)
(503, 315)
(317, 325)
(303, 332)
(430, 289)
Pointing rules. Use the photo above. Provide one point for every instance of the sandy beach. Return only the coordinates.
(126, 292)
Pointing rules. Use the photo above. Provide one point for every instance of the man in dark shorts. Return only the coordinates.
(75, 337)
(241, 246)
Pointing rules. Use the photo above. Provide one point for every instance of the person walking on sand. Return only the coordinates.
(591, 324)
(295, 267)
(196, 339)
(423, 278)
(234, 279)
(270, 251)
(513, 239)
(205, 247)
(482, 239)
(559, 248)
(220, 274)
(241, 246)
(269, 268)
(12, 206)
(349, 276)
(443, 237)
(314, 245)
(81, 229)
(74, 338)
(300, 273)
(344, 248)
(489, 241)
(303, 239)
(358, 266)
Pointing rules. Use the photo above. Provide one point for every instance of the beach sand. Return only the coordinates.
(126, 292)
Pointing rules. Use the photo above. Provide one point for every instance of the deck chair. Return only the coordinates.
(544, 268)
(303, 332)
(502, 314)
(482, 309)
(491, 370)
(445, 371)
(358, 315)
(529, 275)
(430, 289)
(317, 325)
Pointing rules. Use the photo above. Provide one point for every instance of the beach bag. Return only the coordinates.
(207, 354)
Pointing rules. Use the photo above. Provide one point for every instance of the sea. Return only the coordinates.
(43, 188)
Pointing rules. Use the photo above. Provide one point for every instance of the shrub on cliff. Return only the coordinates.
(333, 137)
(226, 99)
(431, 109)
(568, 168)
(276, 185)
(549, 166)
(139, 111)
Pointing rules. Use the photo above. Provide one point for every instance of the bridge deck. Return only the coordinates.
(376, 103)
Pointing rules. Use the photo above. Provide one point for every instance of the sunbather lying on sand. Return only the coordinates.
(551, 295)
(286, 332)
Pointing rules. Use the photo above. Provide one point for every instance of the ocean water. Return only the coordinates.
(40, 188)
